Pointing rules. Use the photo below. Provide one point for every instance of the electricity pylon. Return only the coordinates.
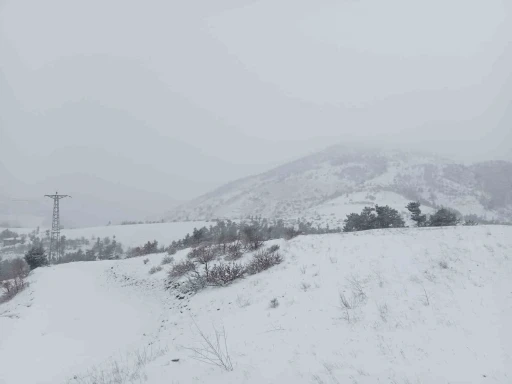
(55, 248)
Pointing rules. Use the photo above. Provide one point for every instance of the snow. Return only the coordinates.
(134, 235)
(305, 187)
(335, 211)
(127, 235)
(418, 322)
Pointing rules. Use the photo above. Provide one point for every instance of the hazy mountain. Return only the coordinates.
(95, 201)
(330, 184)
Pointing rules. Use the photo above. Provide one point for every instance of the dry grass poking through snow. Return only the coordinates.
(127, 370)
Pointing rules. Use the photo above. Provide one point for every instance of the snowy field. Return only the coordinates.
(134, 235)
(128, 235)
(427, 306)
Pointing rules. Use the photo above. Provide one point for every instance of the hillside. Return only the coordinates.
(326, 186)
(434, 306)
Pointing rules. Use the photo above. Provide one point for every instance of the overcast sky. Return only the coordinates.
(178, 97)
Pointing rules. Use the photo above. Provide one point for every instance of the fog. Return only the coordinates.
(151, 103)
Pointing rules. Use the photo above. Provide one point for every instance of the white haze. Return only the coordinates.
(148, 103)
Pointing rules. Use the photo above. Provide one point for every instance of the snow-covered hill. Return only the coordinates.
(433, 306)
(326, 186)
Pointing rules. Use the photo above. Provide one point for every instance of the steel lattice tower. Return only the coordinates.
(55, 248)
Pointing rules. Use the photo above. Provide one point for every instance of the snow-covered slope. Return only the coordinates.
(340, 180)
(435, 306)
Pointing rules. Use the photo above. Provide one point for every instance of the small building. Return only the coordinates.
(10, 241)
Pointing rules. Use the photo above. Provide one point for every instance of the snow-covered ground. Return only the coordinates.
(134, 235)
(429, 305)
(127, 235)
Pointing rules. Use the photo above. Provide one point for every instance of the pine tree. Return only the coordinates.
(416, 216)
(388, 217)
(443, 218)
(36, 257)
(360, 222)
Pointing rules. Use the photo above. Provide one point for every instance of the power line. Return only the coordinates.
(55, 248)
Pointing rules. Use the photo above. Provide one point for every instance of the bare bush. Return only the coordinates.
(274, 303)
(146, 260)
(443, 264)
(167, 260)
(17, 273)
(155, 269)
(194, 283)
(251, 237)
(213, 350)
(204, 254)
(305, 286)
(12, 287)
(235, 251)
(224, 274)
(182, 268)
(263, 260)
(20, 268)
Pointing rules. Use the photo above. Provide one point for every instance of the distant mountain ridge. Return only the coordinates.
(327, 185)
(96, 201)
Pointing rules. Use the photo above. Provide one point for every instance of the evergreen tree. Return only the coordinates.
(443, 218)
(416, 216)
(388, 217)
(360, 222)
(36, 257)
(378, 217)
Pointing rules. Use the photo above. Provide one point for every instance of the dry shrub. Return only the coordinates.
(12, 287)
(224, 274)
(155, 269)
(203, 254)
(274, 303)
(182, 268)
(235, 251)
(16, 283)
(194, 283)
(213, 350)
(167, 260)
(263, 260)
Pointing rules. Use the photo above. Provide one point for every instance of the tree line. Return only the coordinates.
(382, 217)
